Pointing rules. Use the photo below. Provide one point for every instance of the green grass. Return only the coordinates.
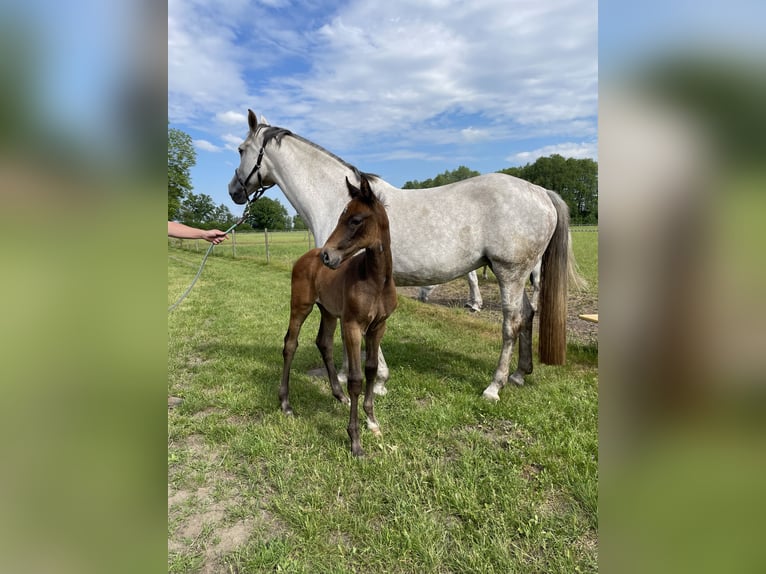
(456, 484)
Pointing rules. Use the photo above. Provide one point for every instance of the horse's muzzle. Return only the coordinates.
(330, 261)
(236, 190)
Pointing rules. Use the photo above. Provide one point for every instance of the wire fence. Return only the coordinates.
(282, 247)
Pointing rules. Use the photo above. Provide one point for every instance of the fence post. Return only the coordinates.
(234, 243)
(266, 237)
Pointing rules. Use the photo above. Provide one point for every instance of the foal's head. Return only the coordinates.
(363, 224)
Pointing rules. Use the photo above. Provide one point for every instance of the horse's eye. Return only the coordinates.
(241, 151)
(356, 221)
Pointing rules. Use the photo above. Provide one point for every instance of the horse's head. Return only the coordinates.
(363, 224)
(248, 177)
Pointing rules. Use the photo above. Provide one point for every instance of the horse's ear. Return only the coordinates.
(365, 191)
(353, 191)
(264, 121)
(252, 120)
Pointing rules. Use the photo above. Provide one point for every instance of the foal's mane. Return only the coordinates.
(276, 134)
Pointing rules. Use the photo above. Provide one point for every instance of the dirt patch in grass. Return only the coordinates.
(455, 294)
(211, 521)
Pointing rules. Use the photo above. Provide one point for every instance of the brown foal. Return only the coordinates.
(355, 287)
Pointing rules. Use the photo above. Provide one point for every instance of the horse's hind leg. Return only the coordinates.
(511, 295)
(298, 313)
(324, 342)
(525, 343)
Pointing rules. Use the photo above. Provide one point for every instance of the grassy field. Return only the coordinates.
(455, 484)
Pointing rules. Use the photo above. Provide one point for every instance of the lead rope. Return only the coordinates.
(204, 259)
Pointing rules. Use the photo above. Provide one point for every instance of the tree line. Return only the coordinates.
(576, 180)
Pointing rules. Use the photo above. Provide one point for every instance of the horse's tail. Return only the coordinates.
(558, 263)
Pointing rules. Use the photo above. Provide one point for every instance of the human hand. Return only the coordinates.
(214, 236)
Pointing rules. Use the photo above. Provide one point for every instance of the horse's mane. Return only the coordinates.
(276, 134)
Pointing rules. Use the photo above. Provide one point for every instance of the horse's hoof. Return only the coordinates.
(380, 389)
(288, 411)
(517, 379)
(344, 400)
(491, 395)
(374, 429)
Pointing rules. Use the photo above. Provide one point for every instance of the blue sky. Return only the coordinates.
(406, 90)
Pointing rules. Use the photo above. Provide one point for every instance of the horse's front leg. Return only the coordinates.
(475, 302)
(372, 345)
(352, 343)
(383, 372)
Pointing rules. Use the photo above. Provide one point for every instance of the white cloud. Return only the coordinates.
(232, 118)
(472, 134)
(394, 70)
(206, 146)
(582, 150)
(232, 141)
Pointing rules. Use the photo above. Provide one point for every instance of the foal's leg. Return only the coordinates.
(525, 343)
(298, 313)
(324, 342)
(511, 295)
(352, 342)
(383, 372)
(372, 345)
(475, 302)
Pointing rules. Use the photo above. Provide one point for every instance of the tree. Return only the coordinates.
(458, 174)
(197, 210)
(298, 223)
(222, 217)
(268, 214)
(181, 158)
(576, 180)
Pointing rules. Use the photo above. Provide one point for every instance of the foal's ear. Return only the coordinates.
(353, 191)
(363, 193)
(252, 120)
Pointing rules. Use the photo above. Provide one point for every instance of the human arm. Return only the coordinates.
(181, 231)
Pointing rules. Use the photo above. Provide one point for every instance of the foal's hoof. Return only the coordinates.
(517, 379)
(472, 307)
(358, 452)
(380, 389)
(491, 395)
(288, 411)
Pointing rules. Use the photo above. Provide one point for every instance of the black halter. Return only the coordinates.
(260, 190)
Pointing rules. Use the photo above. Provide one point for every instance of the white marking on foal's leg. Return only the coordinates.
(374, 428)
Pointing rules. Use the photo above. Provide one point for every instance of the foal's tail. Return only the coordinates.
(558, 266)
